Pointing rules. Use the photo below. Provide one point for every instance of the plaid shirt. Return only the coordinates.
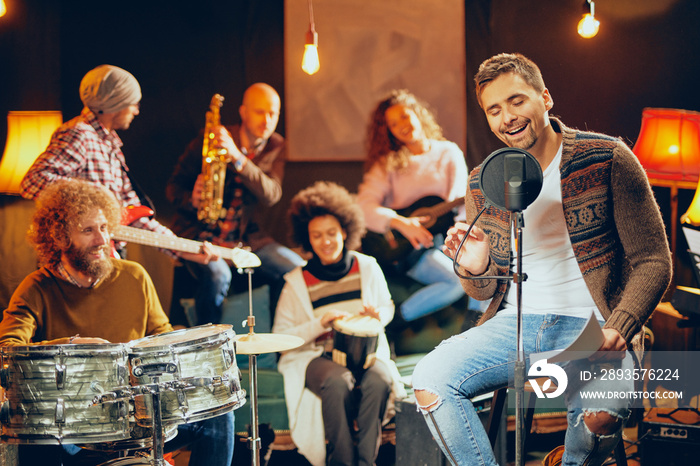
(82, 148)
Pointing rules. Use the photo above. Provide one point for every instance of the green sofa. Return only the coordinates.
(410, 342)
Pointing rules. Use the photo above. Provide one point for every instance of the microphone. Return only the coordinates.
(510, 179)
(515, 182)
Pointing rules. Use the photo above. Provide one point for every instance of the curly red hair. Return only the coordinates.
(60, 209)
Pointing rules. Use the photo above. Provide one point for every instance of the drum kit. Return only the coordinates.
(132, 396)
(119, 397)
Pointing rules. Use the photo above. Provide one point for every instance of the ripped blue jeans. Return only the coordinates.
(482, 359)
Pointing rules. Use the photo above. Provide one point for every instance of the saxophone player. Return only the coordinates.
(253, 181)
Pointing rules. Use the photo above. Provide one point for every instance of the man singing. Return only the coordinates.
(594, 243)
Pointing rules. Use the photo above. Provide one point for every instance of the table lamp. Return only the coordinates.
(28, 134)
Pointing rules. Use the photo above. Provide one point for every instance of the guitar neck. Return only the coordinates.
(444, 207)
(240, 257)
(435, 210)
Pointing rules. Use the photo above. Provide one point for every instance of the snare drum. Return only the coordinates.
(50, 392)
(205, 382)
(355, 342)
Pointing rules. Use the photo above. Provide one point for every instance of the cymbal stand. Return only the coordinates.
(254, 442)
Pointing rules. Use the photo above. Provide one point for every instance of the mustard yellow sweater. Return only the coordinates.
(122, 307)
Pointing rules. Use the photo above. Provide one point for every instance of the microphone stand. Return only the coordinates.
(517, 224)
(519, 371)
(521, 186)
(515, 191)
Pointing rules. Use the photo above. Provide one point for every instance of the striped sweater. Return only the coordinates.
(613, 222)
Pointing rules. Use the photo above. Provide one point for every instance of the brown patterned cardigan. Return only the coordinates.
(614, 224)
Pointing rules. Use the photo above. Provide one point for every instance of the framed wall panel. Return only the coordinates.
(366, 48)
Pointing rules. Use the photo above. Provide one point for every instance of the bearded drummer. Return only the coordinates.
(324, 398)
(81, 295)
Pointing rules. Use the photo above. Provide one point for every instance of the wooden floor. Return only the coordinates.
(540, 445)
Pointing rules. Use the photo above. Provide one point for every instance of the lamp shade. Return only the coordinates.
(692, 215)
(28, 134)
(668, 145)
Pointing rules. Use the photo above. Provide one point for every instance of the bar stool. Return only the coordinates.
(498, 403)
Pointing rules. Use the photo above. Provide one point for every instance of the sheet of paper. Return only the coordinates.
(693, 238)
(587, 343)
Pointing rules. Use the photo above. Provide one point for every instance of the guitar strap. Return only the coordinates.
(145, 200)
(232, 226)
(229, 228)
(140, 193)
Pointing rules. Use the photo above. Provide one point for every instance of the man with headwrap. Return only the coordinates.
(88, 147)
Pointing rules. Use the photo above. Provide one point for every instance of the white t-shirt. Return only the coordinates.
(554, 282)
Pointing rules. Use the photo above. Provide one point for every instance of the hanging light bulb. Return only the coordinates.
(588, 26)
(310, 63)
(3, 8)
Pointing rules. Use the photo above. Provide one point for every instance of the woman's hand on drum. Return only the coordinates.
(369, 311)
(330, 316)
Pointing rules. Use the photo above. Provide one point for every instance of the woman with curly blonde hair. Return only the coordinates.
(410, 164)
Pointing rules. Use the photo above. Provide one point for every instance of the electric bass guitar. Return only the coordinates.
(392, 247)
(239, 257)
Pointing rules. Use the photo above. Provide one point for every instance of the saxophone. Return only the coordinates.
(214, 163)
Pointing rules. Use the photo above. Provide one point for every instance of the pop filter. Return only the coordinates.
(510, 179)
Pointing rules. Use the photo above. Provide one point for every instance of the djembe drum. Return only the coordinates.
(355, 342)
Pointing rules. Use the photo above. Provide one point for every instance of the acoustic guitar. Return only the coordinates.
(239, 257)
(392, 247)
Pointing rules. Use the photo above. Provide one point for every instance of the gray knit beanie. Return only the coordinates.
(108, 89)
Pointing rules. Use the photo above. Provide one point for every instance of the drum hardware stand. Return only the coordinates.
(254, 344)
(154, 371)
(254, 442)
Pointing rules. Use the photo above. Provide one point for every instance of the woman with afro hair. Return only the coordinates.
(324, 398)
